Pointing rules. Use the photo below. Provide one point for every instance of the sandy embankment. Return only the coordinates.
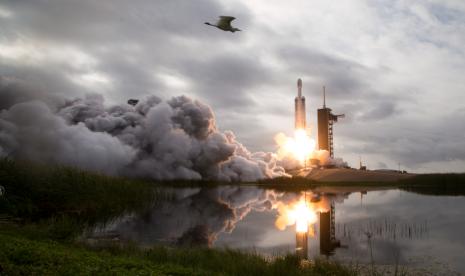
(351, 175)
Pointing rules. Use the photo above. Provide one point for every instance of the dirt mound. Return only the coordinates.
(352, 175)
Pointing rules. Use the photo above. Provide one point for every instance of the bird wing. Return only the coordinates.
(226, 19)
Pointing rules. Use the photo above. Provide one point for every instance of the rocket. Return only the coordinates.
(300, 122)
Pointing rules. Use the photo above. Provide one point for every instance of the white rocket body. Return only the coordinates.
(300, 121)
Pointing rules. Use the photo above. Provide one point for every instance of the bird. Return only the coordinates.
(224, 24)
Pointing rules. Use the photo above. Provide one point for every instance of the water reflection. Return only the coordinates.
(384, 226)
(328, 241)
(195, 217)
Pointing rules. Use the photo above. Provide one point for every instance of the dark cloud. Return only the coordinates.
(96, 22)
(226, 80)
(410, 143)
(34, 81)
(342, 77)
(378, 112)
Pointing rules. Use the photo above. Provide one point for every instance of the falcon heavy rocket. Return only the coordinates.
(300, 122)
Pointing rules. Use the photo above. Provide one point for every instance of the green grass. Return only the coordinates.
(47, 207)
(22, 256)
(37, 191)
(61, 202)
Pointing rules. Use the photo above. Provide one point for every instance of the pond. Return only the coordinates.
(352, 224)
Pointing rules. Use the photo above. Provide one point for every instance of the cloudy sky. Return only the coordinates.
(395, 68)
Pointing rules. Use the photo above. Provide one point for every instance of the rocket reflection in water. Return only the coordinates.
(303, 213)
(199, 217)
(301, 244)
(328, 241)
(273, 223)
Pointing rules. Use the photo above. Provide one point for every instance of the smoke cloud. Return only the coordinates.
(163, 140)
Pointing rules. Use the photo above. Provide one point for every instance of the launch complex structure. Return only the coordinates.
(326, 120)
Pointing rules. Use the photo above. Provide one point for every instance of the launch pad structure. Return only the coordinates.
(326, 119)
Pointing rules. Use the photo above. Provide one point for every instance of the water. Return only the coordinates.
(359, 225)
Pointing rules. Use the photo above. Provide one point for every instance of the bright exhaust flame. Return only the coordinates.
(301, 213)
(303, 216)
(300, 147)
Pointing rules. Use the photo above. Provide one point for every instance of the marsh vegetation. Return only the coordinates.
(45, 208)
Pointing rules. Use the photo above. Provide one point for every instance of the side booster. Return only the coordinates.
(300, 121)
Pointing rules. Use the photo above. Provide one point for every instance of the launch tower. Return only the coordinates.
(300, 122)
(326, 119)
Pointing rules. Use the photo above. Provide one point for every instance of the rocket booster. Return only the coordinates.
(300, 121)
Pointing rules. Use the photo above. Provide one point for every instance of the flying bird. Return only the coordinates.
(224, 24)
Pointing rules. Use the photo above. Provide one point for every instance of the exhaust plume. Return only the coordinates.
(163, 140)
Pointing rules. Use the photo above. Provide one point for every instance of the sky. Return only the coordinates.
(394, 68)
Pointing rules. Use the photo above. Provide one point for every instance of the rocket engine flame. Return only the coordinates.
(299, 147)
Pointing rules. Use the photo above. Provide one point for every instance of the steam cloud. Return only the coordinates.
(174, 139)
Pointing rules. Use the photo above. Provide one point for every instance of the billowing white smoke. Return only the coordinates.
(326, 160)
(174, 139)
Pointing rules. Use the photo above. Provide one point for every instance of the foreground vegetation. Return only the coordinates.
(35, 192)
(60, 202)
(44, 209)
(23, 256)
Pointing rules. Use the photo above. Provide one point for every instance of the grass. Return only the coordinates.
(61, 202)
(22, 256)
(35, 192)
(47, 207)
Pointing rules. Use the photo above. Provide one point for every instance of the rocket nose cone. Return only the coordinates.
(299, 83)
